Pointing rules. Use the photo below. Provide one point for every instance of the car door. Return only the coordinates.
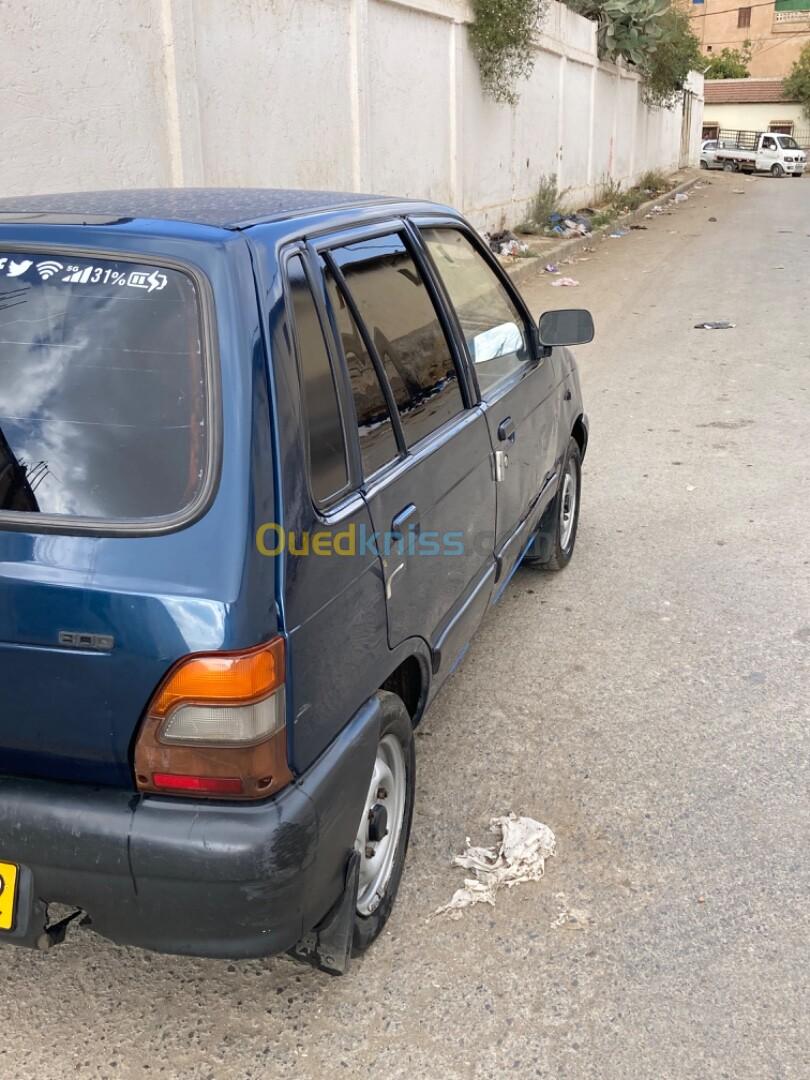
(514, 380)
(431, 493)
(768, 153)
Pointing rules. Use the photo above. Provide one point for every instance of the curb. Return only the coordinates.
(522, 270)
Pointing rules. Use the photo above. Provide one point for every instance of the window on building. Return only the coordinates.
(781, 127)
(405, 330)
(743, 17)
(327, 453)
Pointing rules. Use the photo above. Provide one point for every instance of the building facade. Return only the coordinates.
(752, 105)
(778, 30)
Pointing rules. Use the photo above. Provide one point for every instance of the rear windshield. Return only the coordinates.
(102, 388)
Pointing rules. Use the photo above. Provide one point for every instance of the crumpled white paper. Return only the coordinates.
(521, 855)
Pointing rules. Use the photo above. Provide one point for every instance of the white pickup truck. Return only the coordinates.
(760, 151)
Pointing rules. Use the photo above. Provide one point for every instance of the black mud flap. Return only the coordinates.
(329, 946)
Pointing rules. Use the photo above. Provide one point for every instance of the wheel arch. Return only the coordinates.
(579, 432)
(410, 681)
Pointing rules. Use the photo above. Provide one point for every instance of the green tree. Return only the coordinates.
(654, 36)
(797, 84)
(676, 53)
(730, 63)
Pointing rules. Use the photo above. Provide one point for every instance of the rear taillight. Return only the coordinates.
(215, 727)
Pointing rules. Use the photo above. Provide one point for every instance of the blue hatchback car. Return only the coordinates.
(266, 459)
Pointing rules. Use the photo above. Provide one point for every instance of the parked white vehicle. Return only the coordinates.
(760, 151)
(708, 155)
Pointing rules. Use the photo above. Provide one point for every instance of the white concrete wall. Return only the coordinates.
(370, 95)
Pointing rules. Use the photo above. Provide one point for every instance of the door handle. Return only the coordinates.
(506, 430)
(407, 518)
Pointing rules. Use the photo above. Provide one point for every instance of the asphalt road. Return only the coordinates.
(650, 704)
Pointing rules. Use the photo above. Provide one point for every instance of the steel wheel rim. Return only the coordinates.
(388, 788)
(568, 505)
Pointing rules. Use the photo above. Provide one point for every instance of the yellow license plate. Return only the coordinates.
(8, 894)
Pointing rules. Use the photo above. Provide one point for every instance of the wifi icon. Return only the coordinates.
(48, 268)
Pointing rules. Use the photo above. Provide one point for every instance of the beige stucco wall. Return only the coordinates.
(776, 41)
(754, 117)
(369, 95)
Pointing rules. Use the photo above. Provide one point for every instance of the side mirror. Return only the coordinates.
(573, 326)
(501, 340)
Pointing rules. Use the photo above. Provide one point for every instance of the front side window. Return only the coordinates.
(324, 432)
(491, 324)
(403, 325)
(103, 389)
(378, 444)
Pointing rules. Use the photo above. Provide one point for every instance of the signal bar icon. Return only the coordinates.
(48, 268)
(80, 276)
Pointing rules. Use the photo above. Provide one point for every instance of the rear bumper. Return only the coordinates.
(179, 876)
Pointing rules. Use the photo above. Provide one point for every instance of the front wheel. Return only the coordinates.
(556, 535)
(704, 164)
(777, 170)
(382, 838)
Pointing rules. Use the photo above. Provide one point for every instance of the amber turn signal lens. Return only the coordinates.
(223, 678)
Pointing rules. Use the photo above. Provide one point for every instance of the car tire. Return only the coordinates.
(777, 170)
(731, 166)
(556, 535)
(704, 164)
(391, 788)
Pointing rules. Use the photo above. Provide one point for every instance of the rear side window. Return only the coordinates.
(103, 396)
(404, 327)
(327, 451)
(378, 444)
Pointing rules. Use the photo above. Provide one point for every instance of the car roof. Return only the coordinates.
(225, 208)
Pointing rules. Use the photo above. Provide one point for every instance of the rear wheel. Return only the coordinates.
(777, 170)
(730, 166)
(382, 838)
(556, 534)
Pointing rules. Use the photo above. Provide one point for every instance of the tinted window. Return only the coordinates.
(377, 441)
(327, 455)
(492, 326)
(102, 388)
(405, 330)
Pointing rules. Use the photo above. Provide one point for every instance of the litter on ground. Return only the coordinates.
(506, 243)
(569, 281)
(681, 197)
(722, 325)
(550, 268)
(572, 919)
(519, 856)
